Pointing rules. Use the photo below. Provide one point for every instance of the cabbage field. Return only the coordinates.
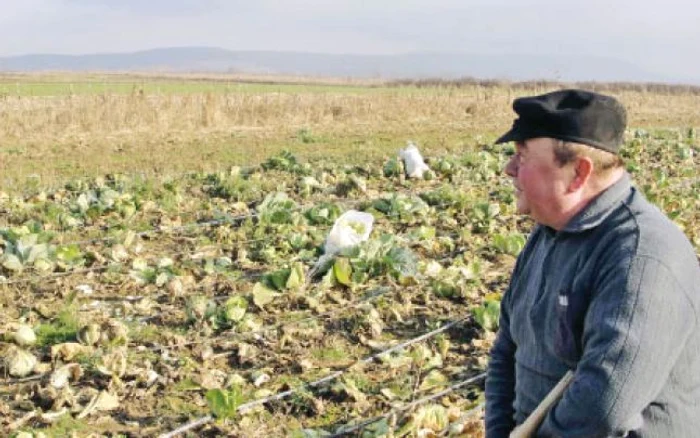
(185, 305)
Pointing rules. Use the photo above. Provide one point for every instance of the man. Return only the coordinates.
(606, 286)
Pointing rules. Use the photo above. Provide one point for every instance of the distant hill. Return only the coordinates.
(412, 65)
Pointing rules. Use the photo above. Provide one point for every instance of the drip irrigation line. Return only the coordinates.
(234, 219)
(331, 313)
(212, 222)
(348, 306)
(164, 229)
(345, 430)
(371, 296)
(317, 383)
(189, 426)
(466, 416)
(55, 275)
(224, 297)
(143, 233)
(42, 279)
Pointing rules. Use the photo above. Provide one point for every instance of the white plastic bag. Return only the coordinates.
(413, 161)
(350, 229)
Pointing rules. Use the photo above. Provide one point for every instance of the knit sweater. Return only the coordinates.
(614, 296)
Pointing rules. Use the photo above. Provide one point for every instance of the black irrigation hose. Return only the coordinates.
(49, 277)
(233, 219)
(345, 430)
(317, 383)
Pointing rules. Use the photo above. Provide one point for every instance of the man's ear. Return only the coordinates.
(583, 169)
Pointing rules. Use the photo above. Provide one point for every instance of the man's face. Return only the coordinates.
(540, 182)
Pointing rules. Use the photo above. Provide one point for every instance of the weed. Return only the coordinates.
(65, 426)
(63, 328)
(329, 355)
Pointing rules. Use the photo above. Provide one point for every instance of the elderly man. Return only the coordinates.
(606, 286)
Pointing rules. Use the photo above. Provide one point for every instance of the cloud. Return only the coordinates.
(149, 8)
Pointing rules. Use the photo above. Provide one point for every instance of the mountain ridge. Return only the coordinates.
(415, 65)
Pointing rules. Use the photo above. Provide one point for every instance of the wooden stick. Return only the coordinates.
(531, 423)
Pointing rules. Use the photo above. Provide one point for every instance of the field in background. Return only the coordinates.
(54, 128)
(157, 286)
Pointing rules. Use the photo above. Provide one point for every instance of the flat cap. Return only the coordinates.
(571, 115)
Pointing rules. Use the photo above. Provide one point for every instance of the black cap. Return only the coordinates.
(571, 115)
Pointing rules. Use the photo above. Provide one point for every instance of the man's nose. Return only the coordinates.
(511, 168)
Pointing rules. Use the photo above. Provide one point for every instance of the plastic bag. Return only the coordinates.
(413, 161)
(350, 229)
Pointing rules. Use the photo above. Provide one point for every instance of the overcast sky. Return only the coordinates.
(661, 36)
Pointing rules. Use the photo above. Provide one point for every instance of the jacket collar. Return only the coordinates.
(600, 207)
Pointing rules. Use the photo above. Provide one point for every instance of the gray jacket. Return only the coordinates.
(614, 296)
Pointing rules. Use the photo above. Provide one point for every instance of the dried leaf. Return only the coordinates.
(11, 262)
(199, 308)
(246, 352)
(53, 416)
(262, 295)
(115, 332)
(64, 374)
(19, 363)
(296, 277)
(69, 351)
(348, 387)
(434, 379)
(90, 334)
(119, 253)
(388, 393)
(104, 401)
(113, 364)
(175, 287)
(259, 378)
(24, 335)
(210, 379)
(432, 417)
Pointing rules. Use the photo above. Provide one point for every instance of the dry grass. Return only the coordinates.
(46, 140)
(135, 77)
